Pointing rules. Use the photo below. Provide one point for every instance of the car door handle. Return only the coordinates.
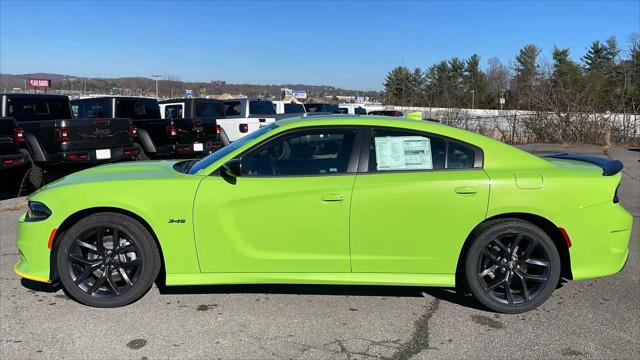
(332, 197)
(466, 190)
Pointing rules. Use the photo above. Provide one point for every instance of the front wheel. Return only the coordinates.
(107, 260)
(512, 266)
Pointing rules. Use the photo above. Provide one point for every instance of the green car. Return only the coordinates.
(333, 200)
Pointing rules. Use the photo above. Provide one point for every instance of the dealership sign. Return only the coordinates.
(39, 83)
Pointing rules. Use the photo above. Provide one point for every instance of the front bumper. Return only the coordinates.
(35, 255)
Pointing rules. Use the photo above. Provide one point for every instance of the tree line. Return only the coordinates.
(605, 79)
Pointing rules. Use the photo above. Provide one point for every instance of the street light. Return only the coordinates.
(157, 77)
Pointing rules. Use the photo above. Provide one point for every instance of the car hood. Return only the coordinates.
(139, 170)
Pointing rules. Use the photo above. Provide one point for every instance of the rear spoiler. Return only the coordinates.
(609, 167)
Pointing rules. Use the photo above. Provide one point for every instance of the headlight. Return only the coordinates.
(37, 211)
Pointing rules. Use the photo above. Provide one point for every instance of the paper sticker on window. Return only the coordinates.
(403, 153)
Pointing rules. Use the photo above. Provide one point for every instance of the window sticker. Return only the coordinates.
(403, 153)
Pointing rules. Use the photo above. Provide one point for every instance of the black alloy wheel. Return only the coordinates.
(107, 260)
(104, 262)
(512, 266)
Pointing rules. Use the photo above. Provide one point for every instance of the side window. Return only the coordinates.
(75, 108)
(360, 111)
(306, 152)
(460, 156)
(393, 150)
(232, 108)
(173, 112)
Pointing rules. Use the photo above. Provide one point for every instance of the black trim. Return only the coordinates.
(609, 167)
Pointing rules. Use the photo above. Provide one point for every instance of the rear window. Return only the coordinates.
(360, 111)
(38, 108)
(95, 108)
(209, 109)
(231, 108)
(293, 108)
(137, 108)
(260, 107)
(323, 108)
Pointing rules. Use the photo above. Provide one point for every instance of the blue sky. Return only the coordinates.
(346, 44)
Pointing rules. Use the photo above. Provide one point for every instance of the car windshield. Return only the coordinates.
(207, 161)
(260, 107)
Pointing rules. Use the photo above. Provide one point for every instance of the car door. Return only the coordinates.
(419, 199)
(287, 212)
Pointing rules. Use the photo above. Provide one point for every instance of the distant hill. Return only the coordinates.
(75, 85)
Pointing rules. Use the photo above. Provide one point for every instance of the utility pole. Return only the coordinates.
(473, 99)
(157, 77)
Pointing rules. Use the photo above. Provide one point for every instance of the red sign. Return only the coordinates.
(39, 83)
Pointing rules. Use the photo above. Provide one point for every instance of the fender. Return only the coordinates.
(145, 141)
(34, 148)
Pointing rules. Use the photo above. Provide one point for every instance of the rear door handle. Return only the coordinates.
(466, 190)
(332, 197)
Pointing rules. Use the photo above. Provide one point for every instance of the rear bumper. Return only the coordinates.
(91, 156)
(189, 149)
(600, 237)
(13, 161)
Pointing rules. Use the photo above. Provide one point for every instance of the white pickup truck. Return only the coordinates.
(244, 116)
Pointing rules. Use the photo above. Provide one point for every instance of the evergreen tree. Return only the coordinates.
(398, 86)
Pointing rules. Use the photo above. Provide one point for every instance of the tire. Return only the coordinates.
(142, 155)
(223, 138)
(34, 177)
(506, 283)
(132, 266)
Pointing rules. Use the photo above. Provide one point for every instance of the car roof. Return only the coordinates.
(24, 95)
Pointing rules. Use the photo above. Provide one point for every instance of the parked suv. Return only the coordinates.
(158, 138)
(11, 136)
(206, 111)
(52, 138)
(244, 116)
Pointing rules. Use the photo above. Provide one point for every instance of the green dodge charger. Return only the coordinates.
(333, 200)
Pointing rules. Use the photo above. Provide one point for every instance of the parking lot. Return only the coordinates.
(590, 319)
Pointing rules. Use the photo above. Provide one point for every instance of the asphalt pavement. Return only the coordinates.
(588, 319)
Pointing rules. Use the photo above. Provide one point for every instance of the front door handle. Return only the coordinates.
(466, 190)
(332, 197)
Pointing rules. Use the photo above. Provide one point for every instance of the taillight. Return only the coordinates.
(172, 130)
(217, 129)
(244, 128)
(616, 199)
(18, 135)
(63, 134)
(134, 131)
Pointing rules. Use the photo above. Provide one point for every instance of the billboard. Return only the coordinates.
(39, 83)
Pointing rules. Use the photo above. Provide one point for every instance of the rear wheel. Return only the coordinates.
(107, 260)
(142, 155)
(512, 266)
(33, 178)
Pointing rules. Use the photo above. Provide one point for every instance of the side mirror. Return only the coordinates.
(232, 168)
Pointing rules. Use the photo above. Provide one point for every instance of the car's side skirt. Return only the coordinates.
(441, 280)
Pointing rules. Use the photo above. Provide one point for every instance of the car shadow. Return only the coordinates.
(445, 294)
(40, 286)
